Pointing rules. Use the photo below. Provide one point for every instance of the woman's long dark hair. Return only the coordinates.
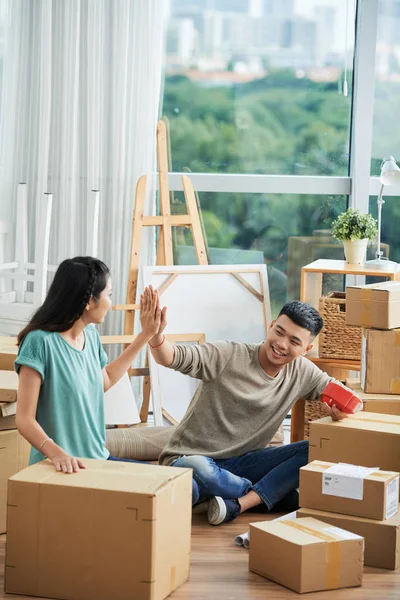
(75, 282)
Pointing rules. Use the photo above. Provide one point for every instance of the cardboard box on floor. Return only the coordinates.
(14, 456)
(382, 538)
(388, 404)
(375, 306)
(380, 361)
(349, 489)
(114, 530)
(306, 555)
(366, 439)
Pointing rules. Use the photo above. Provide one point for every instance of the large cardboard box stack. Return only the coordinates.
(361, 500)
(8, 399)
(14, 450)
(306, 555)
(14, 456)
(114, 530)
(376, 308)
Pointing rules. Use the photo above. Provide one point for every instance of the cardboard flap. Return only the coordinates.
(104, 475)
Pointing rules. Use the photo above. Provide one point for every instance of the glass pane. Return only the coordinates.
(386, 131)
(255, 86)
(285, 232)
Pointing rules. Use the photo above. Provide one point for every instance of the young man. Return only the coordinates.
(245, 394)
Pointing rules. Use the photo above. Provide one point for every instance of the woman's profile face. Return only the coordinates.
(97, 309)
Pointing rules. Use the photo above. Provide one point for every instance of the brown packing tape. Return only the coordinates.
(365, 318)
(332, 552)
(375, 421)
(385, 475)
(397, 337)
(365, 314)
(172, 579)
(365, 295)
(395, 386)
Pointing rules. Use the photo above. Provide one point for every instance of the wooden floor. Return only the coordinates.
(219, 571)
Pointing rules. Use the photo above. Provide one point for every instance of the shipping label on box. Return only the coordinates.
(366, 439)
(113, 530)
(380, 361)
(349, 489)
(382, 538)
(306, 555)
(374, 306)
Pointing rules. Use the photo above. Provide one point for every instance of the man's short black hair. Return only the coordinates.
(304, 315)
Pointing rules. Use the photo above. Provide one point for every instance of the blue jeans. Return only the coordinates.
(116, 459)
(271, 472)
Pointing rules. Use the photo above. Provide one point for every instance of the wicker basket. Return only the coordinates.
(313, 410)
(337, 340)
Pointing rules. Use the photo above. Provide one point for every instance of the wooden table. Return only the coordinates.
(311, 291)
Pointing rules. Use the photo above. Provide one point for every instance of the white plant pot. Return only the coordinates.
(355, 251)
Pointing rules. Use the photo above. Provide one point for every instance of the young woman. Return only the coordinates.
(63, 371)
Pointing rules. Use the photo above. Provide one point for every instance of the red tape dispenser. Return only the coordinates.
(342, 398)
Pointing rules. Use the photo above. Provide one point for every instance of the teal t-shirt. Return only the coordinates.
(71, 399)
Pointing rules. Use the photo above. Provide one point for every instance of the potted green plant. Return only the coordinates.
(355, 230)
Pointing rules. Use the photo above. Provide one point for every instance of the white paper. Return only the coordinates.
(345, 535)
(244, 539)
(206, 300)
(392, 498)
(119, 404)
(346, 481)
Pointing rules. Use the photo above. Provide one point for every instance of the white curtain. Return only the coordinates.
(80, 101)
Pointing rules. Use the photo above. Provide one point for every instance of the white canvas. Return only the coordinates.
(120, 405)
(207, 299)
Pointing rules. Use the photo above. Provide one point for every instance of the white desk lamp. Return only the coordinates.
(390, 175)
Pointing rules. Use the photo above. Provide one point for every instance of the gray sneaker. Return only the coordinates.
(222, 510)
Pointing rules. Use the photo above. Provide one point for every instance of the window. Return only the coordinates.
(283, 231)
(255, 86)
(386, 133)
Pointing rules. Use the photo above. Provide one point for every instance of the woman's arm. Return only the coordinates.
(150, 319)
(28, 395)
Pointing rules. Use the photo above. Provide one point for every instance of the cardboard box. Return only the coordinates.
(374, 306)
(7, 409)
(7, 423)
(14, 456)
(366, 439)
(8, 354)
(380, 361)
(8, 386)
(306, 555)
(349, 489)
(382, 538)
(388, 404)
(114, 530)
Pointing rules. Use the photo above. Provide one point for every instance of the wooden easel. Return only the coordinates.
(165, 221)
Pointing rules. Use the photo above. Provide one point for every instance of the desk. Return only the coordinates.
(311, 291)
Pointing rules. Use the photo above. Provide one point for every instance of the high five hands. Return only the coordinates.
(152, 319)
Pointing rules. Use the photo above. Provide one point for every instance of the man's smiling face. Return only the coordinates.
(286, 341)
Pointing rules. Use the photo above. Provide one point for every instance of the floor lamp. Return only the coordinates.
(390, 175)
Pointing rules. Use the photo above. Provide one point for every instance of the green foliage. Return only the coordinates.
(353, 225)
